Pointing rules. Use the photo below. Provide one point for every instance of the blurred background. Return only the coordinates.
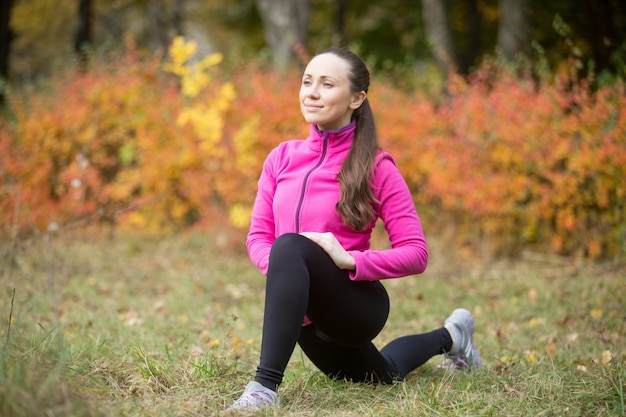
(507, 117)
(39, 35)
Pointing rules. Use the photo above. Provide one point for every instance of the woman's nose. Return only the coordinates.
(313, 91)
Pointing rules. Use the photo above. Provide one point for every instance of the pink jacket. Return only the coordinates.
(298, 191)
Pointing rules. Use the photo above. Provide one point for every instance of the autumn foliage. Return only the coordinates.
(521, 163)
(158, 147)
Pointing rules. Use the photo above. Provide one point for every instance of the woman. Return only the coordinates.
(318, 200)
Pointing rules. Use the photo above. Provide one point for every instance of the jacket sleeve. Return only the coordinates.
(408, 254)
(262, 227)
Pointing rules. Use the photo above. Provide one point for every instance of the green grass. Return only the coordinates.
(130, 326)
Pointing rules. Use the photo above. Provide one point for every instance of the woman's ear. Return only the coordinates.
(358, 99)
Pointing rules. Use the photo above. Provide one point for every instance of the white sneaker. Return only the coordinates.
(463, 354)
(255, 397)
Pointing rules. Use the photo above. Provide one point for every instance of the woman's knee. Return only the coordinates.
(289, 244)
(288, 255)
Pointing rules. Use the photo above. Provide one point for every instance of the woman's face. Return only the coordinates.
(325, 96)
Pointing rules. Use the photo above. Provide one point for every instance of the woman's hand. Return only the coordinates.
(329, 243)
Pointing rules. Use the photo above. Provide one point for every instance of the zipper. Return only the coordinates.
(306, 180)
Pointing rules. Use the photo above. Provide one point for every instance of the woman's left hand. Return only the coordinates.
(329, 243)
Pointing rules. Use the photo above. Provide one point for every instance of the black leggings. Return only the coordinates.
(346, 315)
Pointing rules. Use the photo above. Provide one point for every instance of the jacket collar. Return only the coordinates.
(338, 140)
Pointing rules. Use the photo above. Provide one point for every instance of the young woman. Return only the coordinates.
(318, 200)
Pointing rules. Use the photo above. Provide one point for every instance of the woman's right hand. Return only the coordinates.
(329, 243)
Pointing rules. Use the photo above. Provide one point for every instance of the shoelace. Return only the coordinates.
(255, 399)
(459, 362)
(454, 361)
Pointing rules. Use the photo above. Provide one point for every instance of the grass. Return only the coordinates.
(131, 326)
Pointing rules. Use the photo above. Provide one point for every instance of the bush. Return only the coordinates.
(526, 164)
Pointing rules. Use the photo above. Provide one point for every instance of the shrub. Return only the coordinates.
(503, 156)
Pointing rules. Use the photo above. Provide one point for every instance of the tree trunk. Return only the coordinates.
(159, 28)
(340, 28)
(474, 46)
(439, 34)
(285, 23)
(514, 34)
(604, 19)
(6, 36)
(83, 32)
(177, 17)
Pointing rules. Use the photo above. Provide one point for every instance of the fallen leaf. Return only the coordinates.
(132, 318)
(530, 356)
(159, 306)
(596, 313)
(606, 357)
(569, 321)
(196, 351)
(507, 360)
(536, 321)
(501, 336)
(513, 390)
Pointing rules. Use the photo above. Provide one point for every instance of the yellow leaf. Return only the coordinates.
(182, 51)
(530, 356)
(210, 61)
(606, 357)
(239, 215)
(596, 313)
(227, 92)
(507, 360)
(536, 321)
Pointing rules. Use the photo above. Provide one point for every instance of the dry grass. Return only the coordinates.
(131, 326)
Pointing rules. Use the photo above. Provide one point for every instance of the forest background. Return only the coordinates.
(506, 117)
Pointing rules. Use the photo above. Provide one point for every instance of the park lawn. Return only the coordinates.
(121, 325)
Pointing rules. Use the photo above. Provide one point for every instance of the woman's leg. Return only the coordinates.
(286, 298)
(410, 352)
(346, 316)
(364, 363)
(302, 279)
(357, 363)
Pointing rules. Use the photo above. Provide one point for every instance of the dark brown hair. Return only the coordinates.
(356, 196)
